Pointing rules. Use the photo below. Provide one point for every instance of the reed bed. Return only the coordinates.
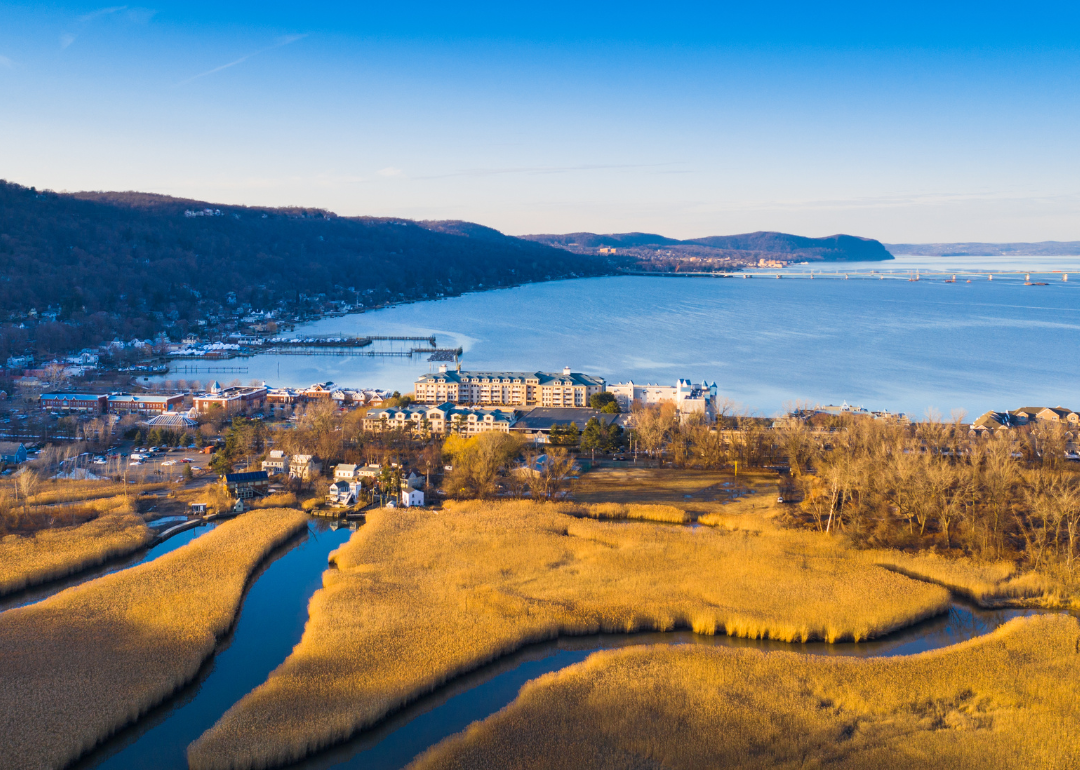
(60, 491)
(418, 598)
(1006, 700)
(665, 514)
(49, 554)
(278, 500)
(80, 665)
(989, 584)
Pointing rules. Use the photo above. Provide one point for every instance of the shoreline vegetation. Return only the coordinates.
(83, 664)
(1006, 700)
(51, 554)
(485, 579)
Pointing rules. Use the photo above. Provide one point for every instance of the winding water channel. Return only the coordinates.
(271, 622)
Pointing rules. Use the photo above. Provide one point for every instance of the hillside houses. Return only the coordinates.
(992, 422)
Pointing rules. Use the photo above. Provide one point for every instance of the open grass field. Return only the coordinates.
(420, 597)
(697, 491)
(49, 554)
(80, 665)
(1006, 700)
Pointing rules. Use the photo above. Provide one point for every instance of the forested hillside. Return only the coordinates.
(748, 246)
(133, 264)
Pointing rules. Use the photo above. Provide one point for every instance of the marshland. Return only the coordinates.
(689, 544)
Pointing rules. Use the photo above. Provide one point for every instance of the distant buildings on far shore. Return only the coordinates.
(993, 422)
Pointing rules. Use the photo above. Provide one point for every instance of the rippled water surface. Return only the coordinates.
(892, 344)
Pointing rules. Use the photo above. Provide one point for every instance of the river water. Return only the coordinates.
(884, 344)
(270, 624)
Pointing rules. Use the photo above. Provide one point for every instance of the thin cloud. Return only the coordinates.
(280, 43)
(536, 170)
(390, 171)
(6, 62)
(68, 38)
(102, 12)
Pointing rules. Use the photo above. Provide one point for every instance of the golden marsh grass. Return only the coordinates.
(53, 492)
(420, 597)
(80, 665)
(666, 514)
(48, 554)
(1006, 700)
(992, 584)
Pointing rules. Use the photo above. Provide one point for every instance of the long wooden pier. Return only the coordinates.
(946, 276)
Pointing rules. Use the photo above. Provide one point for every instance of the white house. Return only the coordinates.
(343, 493)
(345, 472)
(411, 498)
(304, 467)
(276, 463)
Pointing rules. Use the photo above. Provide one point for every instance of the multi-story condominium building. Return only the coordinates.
(440, 419)
(687, 397)
(507, 388)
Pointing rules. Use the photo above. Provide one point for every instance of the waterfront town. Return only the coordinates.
(345, 448)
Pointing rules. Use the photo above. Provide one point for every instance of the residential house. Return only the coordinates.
(344, 493)
(991, 422)
(12, 452)
(304, 467)
(372, 471)
(412, 498)
(275, 463)
(345, 472)
(1059, 414)
(244, 486)
(1025, 414)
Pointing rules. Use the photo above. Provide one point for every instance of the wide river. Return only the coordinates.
(885, 344)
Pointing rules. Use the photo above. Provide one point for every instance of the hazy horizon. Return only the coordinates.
(908, 124)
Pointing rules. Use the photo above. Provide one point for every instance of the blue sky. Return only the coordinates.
(904, 122)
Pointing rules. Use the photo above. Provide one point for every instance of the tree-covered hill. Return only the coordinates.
(748, 246)
(132, 264)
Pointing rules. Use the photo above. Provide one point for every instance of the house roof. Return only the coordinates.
(127, 398)
(246, 478)
(71, 396)
(9, 447)
(542, 378)
(543, 417)
(172, 420)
